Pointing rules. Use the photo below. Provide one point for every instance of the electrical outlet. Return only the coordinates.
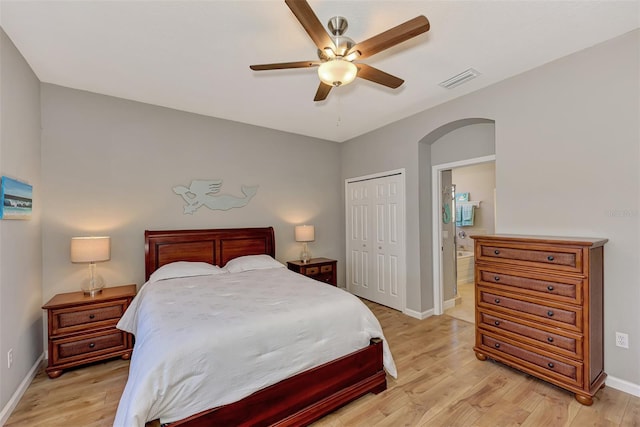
(622, 340)
(9, 358)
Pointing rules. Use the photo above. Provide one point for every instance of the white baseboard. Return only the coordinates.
(418, 315)
(449, 304)
(623, 385)
(24, 385)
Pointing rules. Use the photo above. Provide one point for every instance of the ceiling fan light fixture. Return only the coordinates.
(337, 72)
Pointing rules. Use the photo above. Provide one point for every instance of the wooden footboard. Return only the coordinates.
(303, 398)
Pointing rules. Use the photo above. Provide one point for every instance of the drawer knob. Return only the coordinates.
(550, 313)
(91, 345)
(497, 345)
(497, 252)
(497, 300)
(550, 288)
(551, 365)
(496, 278)
(550, 258)
(550, 339)
(91, 316)
(497, 323)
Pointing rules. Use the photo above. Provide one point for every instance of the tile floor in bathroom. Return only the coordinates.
(466, 309)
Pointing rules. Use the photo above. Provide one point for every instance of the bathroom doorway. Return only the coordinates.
(472, 212)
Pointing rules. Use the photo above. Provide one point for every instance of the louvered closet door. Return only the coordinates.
(375, 239)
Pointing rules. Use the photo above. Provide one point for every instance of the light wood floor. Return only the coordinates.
(440, 383)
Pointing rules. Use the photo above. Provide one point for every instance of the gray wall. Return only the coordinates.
(20, 240)
(567, 157)
(109, 166)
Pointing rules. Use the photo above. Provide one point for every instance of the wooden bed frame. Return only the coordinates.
(295, 401)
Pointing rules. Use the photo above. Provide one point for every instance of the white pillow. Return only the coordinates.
(184, 269)
(251, 262)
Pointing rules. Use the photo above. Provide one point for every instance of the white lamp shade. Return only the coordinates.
(337, 72)
(90, 249)
(305, 233)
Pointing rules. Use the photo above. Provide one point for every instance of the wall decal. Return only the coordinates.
(201, 193)
(16, 198)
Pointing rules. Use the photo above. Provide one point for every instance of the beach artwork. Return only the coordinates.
(17, 199)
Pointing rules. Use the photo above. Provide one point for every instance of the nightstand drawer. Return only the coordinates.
(320, 269)
(80, 347)
(311, 271)
(82, 328)
(91, 316)
(326, 269)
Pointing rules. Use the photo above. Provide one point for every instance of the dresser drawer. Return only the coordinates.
(569, 371)
(554, 342)
(546, 286)
(563, 317)
(85, 346)
(547, 257)
(90, 316)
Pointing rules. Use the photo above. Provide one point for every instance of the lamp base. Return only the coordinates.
(92, 292)
(305, 255)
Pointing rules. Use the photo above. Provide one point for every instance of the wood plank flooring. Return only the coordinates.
(440, 383)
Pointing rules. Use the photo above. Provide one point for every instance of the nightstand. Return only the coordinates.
(82, 329)
(321, 269)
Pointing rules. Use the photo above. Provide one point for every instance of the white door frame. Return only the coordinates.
(403, 264)
(436, 203)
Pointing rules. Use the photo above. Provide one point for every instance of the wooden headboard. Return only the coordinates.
(215, 246)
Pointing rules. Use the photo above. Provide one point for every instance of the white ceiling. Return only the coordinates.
(195, 55)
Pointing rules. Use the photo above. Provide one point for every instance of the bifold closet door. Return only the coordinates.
(375, 239)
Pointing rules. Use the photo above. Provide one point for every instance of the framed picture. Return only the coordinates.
(16, 198)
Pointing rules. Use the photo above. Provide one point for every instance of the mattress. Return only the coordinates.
(207, 341)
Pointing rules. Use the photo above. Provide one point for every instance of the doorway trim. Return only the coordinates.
(436, 203)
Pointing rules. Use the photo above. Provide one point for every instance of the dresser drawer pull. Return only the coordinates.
(550, 313)
(550, 339)
(550, 365)
(91, 345)
(497, 345)
(550, 258)
(91, 316)
(497, 252)
(497, 323)
(496, 278)
(497, 300)
(550, 288)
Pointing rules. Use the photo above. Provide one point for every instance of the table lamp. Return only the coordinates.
(304, 234)
(91, 250)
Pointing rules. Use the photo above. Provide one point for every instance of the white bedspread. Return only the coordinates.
(206, 341)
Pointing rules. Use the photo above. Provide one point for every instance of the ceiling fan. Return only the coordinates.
(337, 53)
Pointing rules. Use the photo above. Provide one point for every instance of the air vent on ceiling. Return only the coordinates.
(459, 79)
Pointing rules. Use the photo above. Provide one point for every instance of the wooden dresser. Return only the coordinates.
(321, 269)
(82, 329)
(539, 308)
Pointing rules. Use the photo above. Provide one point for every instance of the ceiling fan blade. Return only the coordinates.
(372, 74)
(284, 65)
(311, 24)
(392, 37)
(323, 91)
